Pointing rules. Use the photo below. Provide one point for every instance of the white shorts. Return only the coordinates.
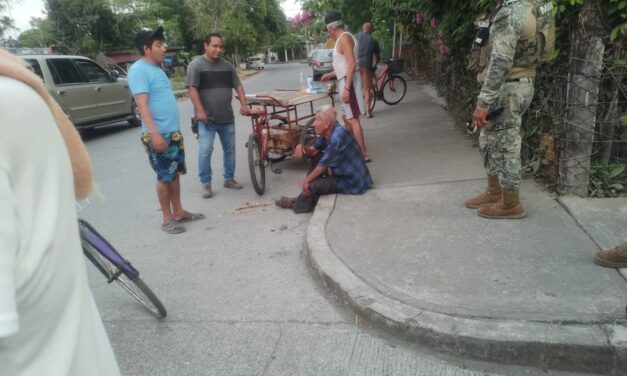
(355, 106)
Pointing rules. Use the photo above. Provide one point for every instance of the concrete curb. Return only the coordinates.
(577, 347)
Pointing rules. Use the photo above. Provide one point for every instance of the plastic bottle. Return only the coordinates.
(301, 83)
(309, 84)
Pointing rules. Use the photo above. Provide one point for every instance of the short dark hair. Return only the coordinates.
(212, 35)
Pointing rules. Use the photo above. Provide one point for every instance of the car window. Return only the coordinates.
(326, 54)
(64, 72)
(92, 71)
(35, 67)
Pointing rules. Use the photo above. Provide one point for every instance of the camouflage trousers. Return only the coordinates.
(500, 141)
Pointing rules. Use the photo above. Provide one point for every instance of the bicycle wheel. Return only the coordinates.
(143, 294)
(256, 164)
(394, 89)
(308, 133)
(135, 287)
(372, 102)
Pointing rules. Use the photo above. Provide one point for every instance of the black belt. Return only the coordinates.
(522, 79)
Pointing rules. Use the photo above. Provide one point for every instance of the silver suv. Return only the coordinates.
(89, 94)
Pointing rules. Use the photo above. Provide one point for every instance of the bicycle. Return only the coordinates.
(115, 268)
(389, 86)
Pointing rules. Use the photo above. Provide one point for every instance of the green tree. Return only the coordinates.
(6, 22)
(41, 34)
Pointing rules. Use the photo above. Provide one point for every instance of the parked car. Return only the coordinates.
(91, 95)
(322, 62)
(311, 56)
(254, 62)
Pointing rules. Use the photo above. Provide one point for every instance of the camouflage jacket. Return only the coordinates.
(513, 48)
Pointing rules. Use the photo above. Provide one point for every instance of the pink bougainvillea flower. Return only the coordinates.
(418, 18)
(434, 22)
(443, 48)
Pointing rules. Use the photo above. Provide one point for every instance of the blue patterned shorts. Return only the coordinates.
(170, 163)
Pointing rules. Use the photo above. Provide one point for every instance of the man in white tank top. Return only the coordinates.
(349, 81)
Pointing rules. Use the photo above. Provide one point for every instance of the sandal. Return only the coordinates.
(189, 217)
(368, 160)
(172, 227)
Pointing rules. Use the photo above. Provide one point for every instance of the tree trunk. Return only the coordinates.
(586, 58)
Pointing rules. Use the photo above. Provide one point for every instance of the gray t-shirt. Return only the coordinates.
(215, 82)
(368, 46)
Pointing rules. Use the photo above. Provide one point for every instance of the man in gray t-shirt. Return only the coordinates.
(210, 82)
(368, 47)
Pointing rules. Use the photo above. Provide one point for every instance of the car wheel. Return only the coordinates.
(134, 120)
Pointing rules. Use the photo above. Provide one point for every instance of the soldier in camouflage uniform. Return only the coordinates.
(507, 90)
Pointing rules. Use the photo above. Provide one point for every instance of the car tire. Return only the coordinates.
(134, 120)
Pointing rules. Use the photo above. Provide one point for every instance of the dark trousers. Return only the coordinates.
(320, 186)
(323, 185)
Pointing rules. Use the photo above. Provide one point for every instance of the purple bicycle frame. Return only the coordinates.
(100, 244)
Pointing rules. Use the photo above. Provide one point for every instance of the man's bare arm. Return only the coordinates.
(241, 95)
(158, 142)
(346, 48)
(200, 110)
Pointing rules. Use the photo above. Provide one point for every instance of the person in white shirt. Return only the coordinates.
(49, 323)
(349, 80)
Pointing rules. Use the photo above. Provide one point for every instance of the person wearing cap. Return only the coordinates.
(349, 80)
(210, 83)
(161, 134)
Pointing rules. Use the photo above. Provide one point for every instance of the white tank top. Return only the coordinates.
(340, 65)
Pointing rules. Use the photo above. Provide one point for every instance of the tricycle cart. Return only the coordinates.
(281, 120)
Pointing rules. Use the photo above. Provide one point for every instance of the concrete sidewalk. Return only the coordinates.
(409, 256)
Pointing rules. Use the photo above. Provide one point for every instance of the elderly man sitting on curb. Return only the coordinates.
(341, 167)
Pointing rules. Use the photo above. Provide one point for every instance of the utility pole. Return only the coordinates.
(586, 64)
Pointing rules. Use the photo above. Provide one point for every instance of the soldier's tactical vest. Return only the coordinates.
(536, 44)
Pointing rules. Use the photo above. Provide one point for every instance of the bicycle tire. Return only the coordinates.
(144, 296)
(387, 93)
(308, 133)
(372, 102)
(255, 163)
(138, 289)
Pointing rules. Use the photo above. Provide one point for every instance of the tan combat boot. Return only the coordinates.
(613, 258)
(508, 207)
(492, 195)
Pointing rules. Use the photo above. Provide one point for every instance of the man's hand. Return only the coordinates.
(244, 110)
(202, 116)
(479, 117)
(306, 191)
(158, 142)
(299, 151)
(346, 95)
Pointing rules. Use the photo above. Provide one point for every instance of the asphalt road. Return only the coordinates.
(240, 296)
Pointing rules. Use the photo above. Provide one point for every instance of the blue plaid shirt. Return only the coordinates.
(344, 157)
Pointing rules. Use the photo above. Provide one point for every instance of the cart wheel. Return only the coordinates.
(256, 164)
(308, 134)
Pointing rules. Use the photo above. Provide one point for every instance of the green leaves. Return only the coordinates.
(607, 181)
